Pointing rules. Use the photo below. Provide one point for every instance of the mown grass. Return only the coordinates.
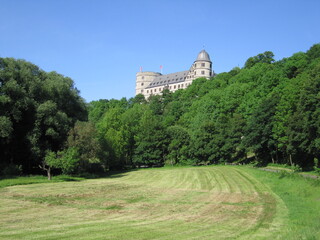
(215, 202)
(302, 198)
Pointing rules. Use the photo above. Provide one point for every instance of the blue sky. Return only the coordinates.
(101, 44)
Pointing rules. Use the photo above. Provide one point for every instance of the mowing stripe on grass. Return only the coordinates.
(221, 202)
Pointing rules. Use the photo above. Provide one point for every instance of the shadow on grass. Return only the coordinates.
(69, 179)
(118, 174)
(65, 178)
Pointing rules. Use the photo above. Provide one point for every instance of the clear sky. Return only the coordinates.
(101, 44)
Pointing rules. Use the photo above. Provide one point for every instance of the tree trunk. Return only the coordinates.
(48, 169)
(49, 173)
(290, 158)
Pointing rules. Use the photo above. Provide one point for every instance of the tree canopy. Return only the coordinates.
(267, 111)
(37, 110)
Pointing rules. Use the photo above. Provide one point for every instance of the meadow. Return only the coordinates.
(213, 202)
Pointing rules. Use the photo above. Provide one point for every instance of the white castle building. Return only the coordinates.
(153, 83)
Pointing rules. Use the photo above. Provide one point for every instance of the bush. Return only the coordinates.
(12, 170)
(316, 166)
(296, 168)
(317, 170)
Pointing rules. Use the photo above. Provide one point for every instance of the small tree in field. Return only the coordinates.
(67, 161)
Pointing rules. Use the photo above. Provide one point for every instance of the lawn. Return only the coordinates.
(215, 202)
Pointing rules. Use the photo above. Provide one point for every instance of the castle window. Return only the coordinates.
(176, 79)
(141, 84)
(155, 90)
(202, 72)
(159, 89)
(203, 64)
(178, 85)
(147, 91)
(142, 91)
(142, 77)
(180, 78)
(195, 65)
(195, 72)
(170, 87)
(174, 86)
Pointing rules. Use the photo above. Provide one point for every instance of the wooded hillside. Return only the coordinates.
(267, 111)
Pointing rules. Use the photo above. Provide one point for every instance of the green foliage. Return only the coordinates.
(83, 138)
(316, 166)
(149, 141)
(37, 110)
(268, 111)
(178, 148)
(11, 170)
(314, 52)
(66, 160)
(5, 127)
(266, 57)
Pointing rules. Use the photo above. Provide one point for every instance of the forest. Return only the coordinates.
(265, 112)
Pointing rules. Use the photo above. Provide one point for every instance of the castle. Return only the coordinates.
(153, 83)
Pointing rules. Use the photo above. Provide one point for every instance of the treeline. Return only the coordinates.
(267, 111)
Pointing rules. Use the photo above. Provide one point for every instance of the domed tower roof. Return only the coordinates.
(203, 56)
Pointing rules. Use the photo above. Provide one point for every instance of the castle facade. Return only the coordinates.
(153, 83)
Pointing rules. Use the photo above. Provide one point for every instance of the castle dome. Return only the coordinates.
(203, 56)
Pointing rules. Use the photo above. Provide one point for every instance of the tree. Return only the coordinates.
(258, 132)
(303, 129)
(96, 109)
(266, 57)
(178, 148)
(37, 109)
(138, 99)
(84, 138)
(314, 52)
(66, 160)
(150, 141)
(115, 134)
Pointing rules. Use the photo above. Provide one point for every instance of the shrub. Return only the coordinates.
(12, 170)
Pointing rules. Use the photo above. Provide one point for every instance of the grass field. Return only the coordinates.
(216, 202)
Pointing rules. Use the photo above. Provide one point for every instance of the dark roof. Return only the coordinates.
(167, 79)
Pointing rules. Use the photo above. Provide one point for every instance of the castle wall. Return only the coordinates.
(143, 79)
(172, 88)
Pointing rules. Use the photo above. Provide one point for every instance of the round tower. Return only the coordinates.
(143, 79)
(202, 67)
